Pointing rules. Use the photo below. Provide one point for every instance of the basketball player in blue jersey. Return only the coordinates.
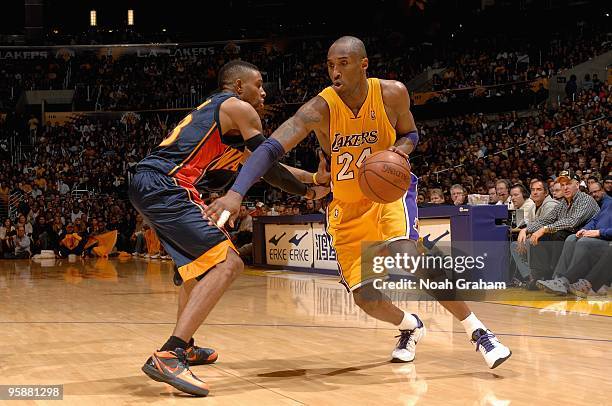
(204, 149)
(352, 118)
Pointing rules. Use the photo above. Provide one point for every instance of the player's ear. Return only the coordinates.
(364, 63)
(238, 86)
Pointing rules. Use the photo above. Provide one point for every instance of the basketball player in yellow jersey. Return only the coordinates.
(353, 118)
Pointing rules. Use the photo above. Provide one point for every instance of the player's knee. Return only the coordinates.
(234, 265)
(367, 299)
(404, 247)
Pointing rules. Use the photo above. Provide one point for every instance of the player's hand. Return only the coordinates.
(323, 175)
(395, 149)
(580, 233)
(317, 192)
(230, 202)
(535, 237)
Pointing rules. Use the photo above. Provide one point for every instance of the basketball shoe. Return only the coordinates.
(200, 356)
(491, 349)
(405, 349)
(172, 368)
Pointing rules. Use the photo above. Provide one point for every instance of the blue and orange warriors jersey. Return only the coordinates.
(196, 152)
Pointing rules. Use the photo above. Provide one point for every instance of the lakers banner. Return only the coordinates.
(479, 91)
(117, 51)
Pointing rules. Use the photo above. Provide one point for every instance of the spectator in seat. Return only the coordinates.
(546, 233)
(76, 213)
(21, 245)
(7, 231)
(520, 201)
(458, 195)
(311, 207)
(597, 192)
(542, 202)
(541, 205)
(493, 199)
(22, 221)
(41, 235)
(581, 252)
(436, 196)
(557, 191)
(519, 196)
(57, 230)
(502, 187)
(137, 237)
(608, 185)
(420, 199)
(70, 242)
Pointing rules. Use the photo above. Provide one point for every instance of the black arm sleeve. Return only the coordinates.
(282, 178)
(278, 176)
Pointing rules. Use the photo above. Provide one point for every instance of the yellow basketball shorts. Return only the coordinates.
(350, 224)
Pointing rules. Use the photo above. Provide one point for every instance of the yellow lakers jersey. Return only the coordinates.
(353, 138)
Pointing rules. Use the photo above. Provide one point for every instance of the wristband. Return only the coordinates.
(314, 179)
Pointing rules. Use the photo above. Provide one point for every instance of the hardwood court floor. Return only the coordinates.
(283, 338)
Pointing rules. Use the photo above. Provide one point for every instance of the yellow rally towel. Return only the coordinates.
(105, 243)
(153, 243)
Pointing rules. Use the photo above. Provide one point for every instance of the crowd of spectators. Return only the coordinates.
(74, 180)
(295, 70)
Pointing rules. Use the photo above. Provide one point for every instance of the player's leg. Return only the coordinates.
(398, 225)
(349, 225)
(170, 364)
(205, 295)
(196, 248)
(376, 304)
(195, 355)
(485, 341)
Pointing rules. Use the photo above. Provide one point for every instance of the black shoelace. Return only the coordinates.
(404, 337)
(485, 341)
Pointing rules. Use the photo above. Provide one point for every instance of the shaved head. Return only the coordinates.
(350, 45)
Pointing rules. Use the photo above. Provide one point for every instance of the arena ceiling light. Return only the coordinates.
(130, 17)
(93, 18)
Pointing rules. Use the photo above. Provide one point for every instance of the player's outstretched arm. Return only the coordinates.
(308, 118)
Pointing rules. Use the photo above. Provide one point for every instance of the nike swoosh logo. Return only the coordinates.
(274, 241)
(296, 241)
(429, 244)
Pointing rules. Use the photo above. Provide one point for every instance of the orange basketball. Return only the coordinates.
(384, 176)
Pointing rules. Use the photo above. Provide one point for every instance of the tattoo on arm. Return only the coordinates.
(294, 130)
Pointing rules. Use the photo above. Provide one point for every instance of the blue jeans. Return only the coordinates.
(521, 259)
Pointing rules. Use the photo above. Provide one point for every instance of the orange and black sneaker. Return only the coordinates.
(172, 368)
(201, 356)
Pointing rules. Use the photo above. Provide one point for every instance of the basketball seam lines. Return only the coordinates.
(391, 183)
(371, 188)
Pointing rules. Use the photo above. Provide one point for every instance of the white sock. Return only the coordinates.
(409, 322)
(471, 323)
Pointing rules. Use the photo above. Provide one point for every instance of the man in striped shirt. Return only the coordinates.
(548, 233)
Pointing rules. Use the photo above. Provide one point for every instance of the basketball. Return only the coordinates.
(384, 176)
